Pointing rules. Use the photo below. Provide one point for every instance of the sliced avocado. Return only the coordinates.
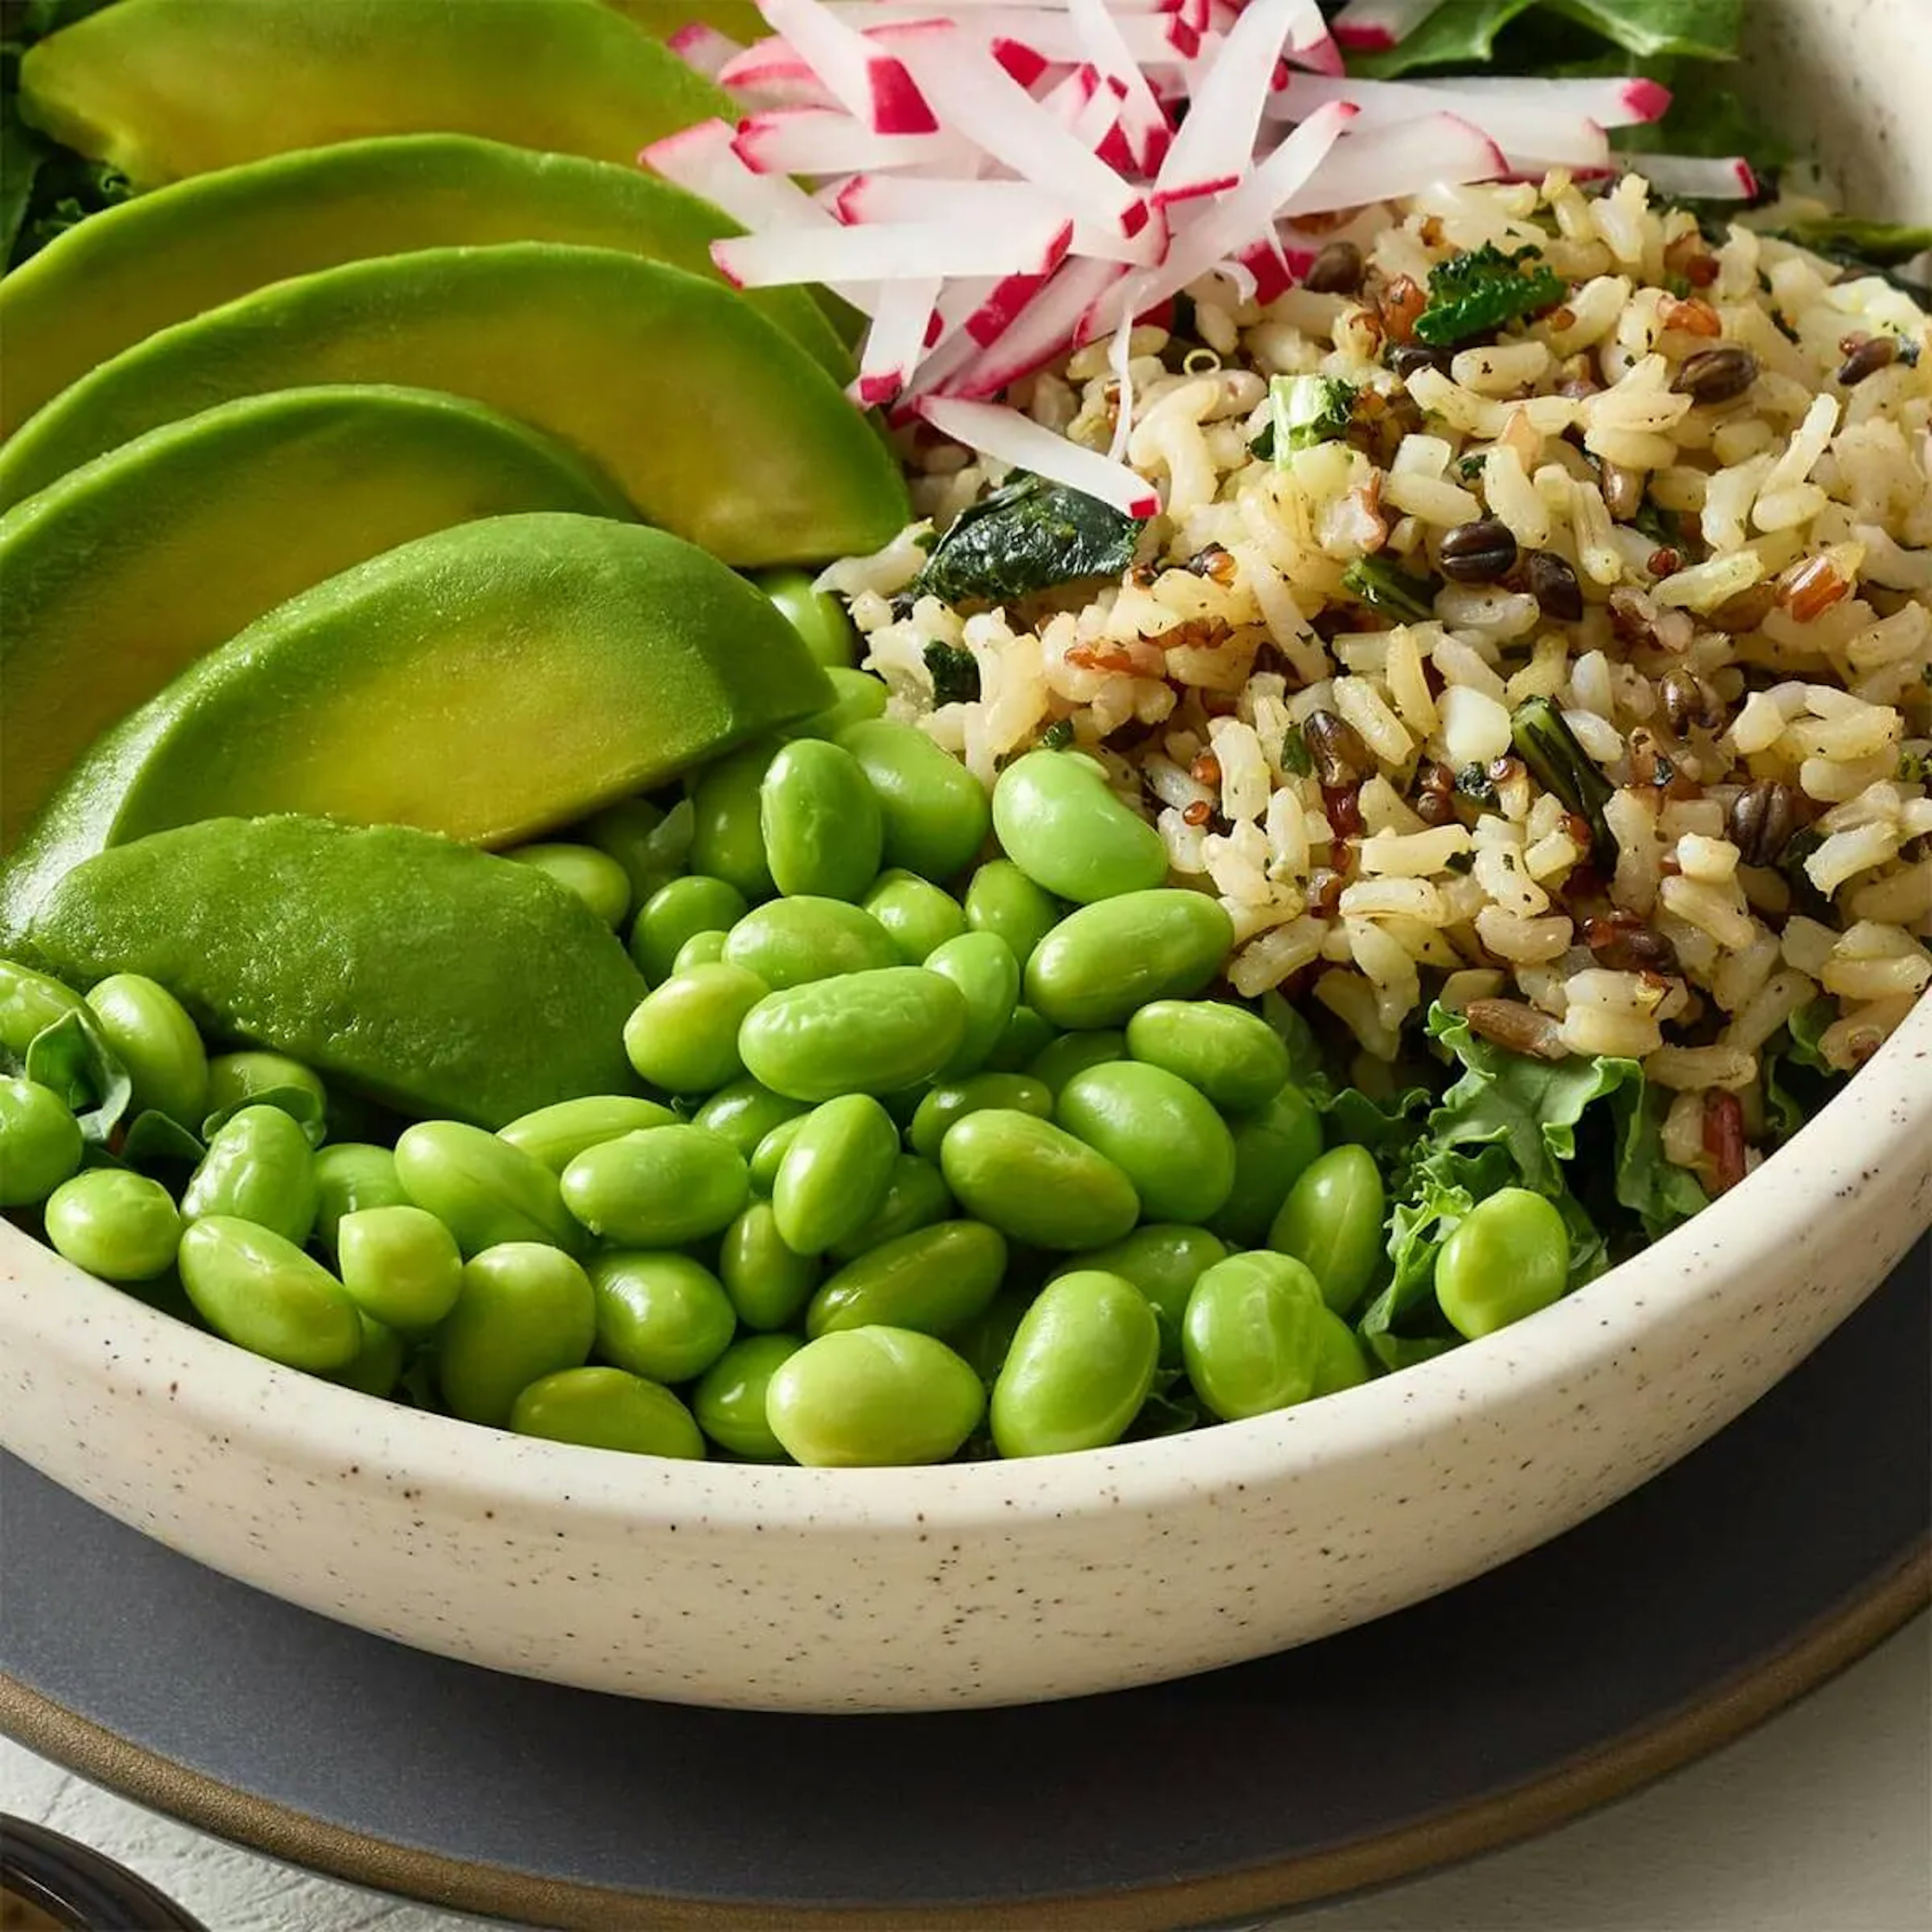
(118, 277)
(739, 20)
(436, 980)
(713, 423)
(121, 575)
(162, 89)
(488, 682)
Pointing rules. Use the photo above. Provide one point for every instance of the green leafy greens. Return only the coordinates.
(1475, 293)
(1029, 535)
(1307, 410)
(1383, 586)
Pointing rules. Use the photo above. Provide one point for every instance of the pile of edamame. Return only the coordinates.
(918, 1172)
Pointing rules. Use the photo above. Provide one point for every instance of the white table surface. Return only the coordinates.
(1820, 1821)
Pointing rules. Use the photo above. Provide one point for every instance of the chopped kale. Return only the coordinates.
(1058, 735)
(955, 671)
(1295, 757)
(1307, 410)
(1473, 782)
(1032, 535)
(1476, 292)
(1381, 585)
(1877, 244)
(1546, 744)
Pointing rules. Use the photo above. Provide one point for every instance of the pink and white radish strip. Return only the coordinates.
(1374, 26)
(891, 252)
(1008, 436)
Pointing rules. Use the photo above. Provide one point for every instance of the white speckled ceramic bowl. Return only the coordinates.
(996, 1582)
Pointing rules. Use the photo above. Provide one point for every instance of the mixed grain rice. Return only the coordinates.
(1765, 703)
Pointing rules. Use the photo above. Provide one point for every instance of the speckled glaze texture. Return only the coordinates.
(998, 1582)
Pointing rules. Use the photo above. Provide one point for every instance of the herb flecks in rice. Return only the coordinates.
(1656, 789)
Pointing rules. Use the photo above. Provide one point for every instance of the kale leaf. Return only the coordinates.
(1031, 534)
(955, 671)
(1476, 292)
(72, 1056)
(1307, 410)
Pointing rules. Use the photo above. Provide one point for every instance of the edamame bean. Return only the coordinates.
(378, 1366)
(1251, 1336)
(982, 965)
(607, 1408)
(727, 841)
(234, 1078)
(30, 1002)
(1081, 1363)
(819, 818)
(916, 1196)
(1158, 1131)
(677, 912)
(1332, 1220)
(1103, 962)
(663, 1316)
(835, 1174)
(935, 814)
(1026, 1036)
(986, 1342)
(683, 1037)
(263, 1293)
(400, 1265)
(932, 1280)
(953, 1100)
(917, 916)
(743, 1113)
(769, 1283)
(150, 1029)
(1163, 1260)
(791, 942)
(729, 1401)
(259, 1167)
(1272, 1149)
(873, 1398)
(857, 695)
(594, 877)
(701, 949)
(1340, 1362)
(118, 1225)
(658, 1188)
(1001, 898)
(817, 617)
(1232, 1055)
(1068, 1054)
(1059, 821)
(1035, 1182)
(40, 1141)
(1507, 1257)
(349, 1175)
(651, 845)
(525, 1311)
(768, 1156)
(557, 1135)
(485, 1192)
(865, 1033)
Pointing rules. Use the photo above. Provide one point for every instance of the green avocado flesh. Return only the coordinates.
(488, 682)
(163, 89)
(129, 271)
(431, 977)
(128, 570)
(715, 424)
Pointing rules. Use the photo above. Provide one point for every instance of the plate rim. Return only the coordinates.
(1716, 1715)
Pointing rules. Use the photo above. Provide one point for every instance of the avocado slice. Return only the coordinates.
(119, 577)
(432, 978)
(714, 424)
(127, 272)
(489, 682)
(162, 89)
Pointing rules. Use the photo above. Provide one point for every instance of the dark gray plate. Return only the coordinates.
(1724, 1587)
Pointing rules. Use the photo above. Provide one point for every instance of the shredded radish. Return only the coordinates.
(1374, 26)
(1006, 436)
(993, 183)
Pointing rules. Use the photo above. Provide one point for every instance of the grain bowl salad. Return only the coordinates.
(1567, 679)
(1277, 706)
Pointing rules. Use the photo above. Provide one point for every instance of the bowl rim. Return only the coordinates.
(291, 1418)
